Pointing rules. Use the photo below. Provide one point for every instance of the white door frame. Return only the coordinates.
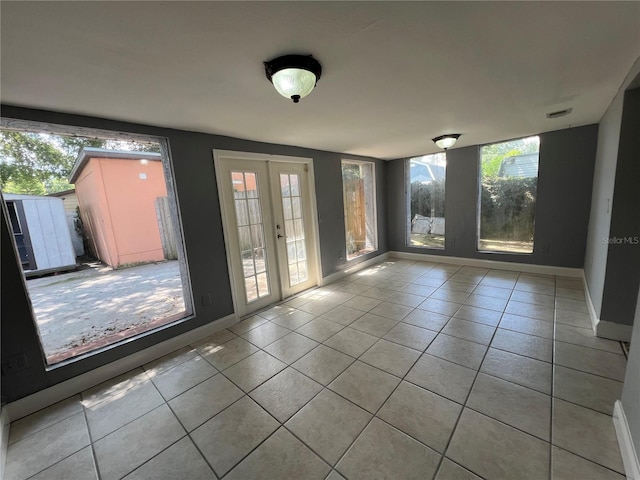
(218, 155)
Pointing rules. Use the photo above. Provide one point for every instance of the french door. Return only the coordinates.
(269, 228)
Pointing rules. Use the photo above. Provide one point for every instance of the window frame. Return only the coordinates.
(479, 200)
(407, 184)
(374, 209)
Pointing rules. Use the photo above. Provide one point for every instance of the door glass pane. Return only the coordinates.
(294, 228)
(251, 234)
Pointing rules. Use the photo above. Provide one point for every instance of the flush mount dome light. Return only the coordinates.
(446, 141)
(293, 76)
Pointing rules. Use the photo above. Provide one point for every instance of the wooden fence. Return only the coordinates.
(167, 228)
(354, 214)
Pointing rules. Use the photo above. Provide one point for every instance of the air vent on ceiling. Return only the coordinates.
(559, 113)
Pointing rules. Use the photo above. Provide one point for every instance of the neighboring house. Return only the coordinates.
(70, 201)
(523, 166)
(69, 198)
(39, 227)
(116, 192)
(426, 173)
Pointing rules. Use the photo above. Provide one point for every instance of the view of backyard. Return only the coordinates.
(81, 311)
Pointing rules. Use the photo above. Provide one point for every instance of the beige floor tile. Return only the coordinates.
(282, 456)
(452, 471)
(343, 315)
(323, 364)
(229, 436)
(391, 357)
(34, 453)
(183, 377)
(278, 310)
(489, 303)
(248, 324)
(406, 299)
(286, 393)
(425, 319)
(494, 450)
(295, 318)
(410, 336)
(44, 418)
(230, 353)
(576, 319)
(427, 280)
(425, 416)
(420, 290)
(196, 406)
(439, 306)
(491, 291)
(335, 476)
(384, 452)
(524, 371)
(588, 390)
(590, 360)
(442, 377)
(479, 315)
(253, 370)
(391, 310)
(129, 447)
(523, 344)
(265, 334)
(573, 293)
(534, 298)
(587, 433)
(374, 324)
(365, 301)
(472, 331)
(119, 402)
(291, 347)
(213, 341)
(564, 303)
(520, 407)
(567, 466)
(167, 362)
(569, 282)
(449, 295)
(534, 279)
(364, 385)
(530, 326)
(320, 329)
(535, 288)
(315, 308)
(80, 465)
(352, 342)
(586, 338)
(458, 286)
(530, 310)
(180, 460)
(456, 350)
(329, 424)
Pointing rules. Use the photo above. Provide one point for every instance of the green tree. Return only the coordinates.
(492, 155)
(40, 164)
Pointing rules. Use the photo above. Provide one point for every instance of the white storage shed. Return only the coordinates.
(39, 226)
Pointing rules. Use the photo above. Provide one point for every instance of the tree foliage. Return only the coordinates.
(40, 164)
(493, 155)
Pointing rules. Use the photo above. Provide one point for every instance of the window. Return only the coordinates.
(508, 191)
(359, 192)
(425, 200)
(101, 214)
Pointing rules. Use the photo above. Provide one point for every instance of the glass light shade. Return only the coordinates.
(446, 142)
(290, 82)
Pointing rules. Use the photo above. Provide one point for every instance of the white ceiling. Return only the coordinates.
(395, 74)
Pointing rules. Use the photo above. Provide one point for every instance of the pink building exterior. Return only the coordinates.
(116, 193)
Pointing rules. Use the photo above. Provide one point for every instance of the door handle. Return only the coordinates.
(282, 236)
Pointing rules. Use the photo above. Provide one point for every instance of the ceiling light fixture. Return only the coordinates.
(293, 76)
(446, 141)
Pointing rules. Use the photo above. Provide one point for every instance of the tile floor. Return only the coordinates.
(407, 370)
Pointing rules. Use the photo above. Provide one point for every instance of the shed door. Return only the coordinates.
(21, 234)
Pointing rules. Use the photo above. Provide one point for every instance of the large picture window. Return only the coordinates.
(425, 200)
(358, 184)
(508, 192)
